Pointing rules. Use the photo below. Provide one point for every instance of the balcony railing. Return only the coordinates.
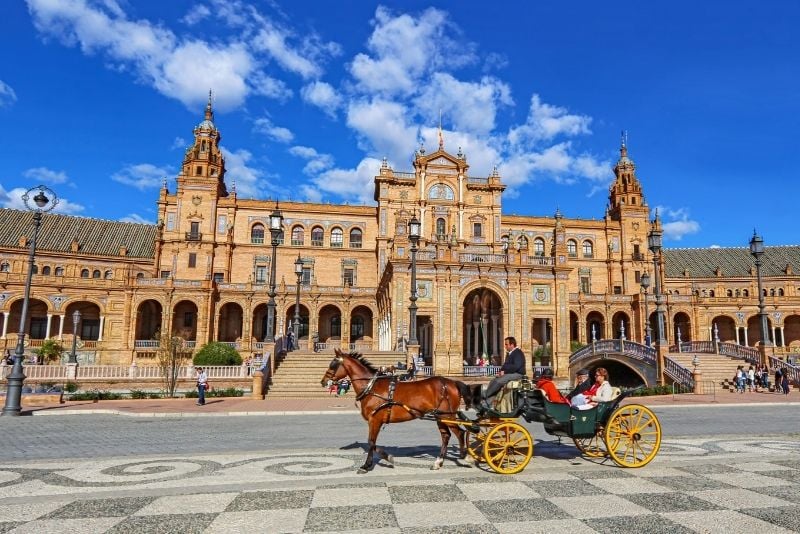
(146, 344)
(469, 257)
(193, 236)
(541, 260)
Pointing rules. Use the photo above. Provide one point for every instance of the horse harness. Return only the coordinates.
(389, 401)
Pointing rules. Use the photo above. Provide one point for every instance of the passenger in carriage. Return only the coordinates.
(582, 383)
(601, 391)
(545, 383)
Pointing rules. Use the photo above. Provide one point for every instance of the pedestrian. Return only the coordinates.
(202, 384)
(765, 378)
(778, 381)
(751, 379)
(248, 363)
(785, 382)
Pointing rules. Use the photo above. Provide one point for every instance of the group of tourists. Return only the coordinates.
(753, 378)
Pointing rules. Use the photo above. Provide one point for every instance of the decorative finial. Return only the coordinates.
(460, 154)
(624, 138)
(384, 163)
(164, 182)
(209, 110)
(441, 136)
(558, 212)
(233, 186)
(495, 174)
(421, 147)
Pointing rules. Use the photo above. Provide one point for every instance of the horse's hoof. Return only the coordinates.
(437, 464)
(362, 471)
(390, 460)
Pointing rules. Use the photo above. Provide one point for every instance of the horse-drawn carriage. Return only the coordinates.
(630, 435)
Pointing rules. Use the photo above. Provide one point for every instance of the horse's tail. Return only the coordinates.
(466, 394)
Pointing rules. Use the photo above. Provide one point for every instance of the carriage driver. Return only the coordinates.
(513, 368)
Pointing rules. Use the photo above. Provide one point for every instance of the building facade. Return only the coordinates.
(203, 272)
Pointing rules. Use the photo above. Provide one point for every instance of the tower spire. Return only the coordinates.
(209, 110)
(441, 135)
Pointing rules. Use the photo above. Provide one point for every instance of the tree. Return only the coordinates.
(172, 355)
(50, 350)
(216, 353)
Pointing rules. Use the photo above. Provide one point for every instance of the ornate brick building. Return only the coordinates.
(203, 271)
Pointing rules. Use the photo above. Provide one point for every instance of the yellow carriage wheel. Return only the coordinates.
(633, 436)
(508, 448)
(593, 447)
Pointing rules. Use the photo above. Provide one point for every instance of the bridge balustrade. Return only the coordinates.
(748, 354)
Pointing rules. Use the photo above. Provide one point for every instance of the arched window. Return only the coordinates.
(441, 229)
(764, 292)
(317, 236)
(355, 238)
(139, 275)
(588, 249)
(336, 326)
(108, 275)
(5, 267)
(46, 270)
(538, 247)
(729, 293)
(95, 274)
(298, 236)
(257, 234)
(745, 292)
(572, 248)
(711, 293)
(772, 292)
(356, 328)
(35, 269)
(522, 242)
(738, 293)
(780, 291)
(337, 237)
(84, 273)
(59, 271)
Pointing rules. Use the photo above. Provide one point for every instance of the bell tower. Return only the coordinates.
(203, 163)
(625, 194)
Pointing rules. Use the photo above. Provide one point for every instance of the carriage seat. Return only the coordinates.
(505, 401)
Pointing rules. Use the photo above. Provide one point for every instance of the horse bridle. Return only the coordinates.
(335, 363)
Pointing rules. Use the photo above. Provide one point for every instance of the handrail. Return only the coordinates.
(793, 371)
(629, 348)
(749, 354)
(678, 373)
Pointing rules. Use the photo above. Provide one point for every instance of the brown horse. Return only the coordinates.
(385, 400)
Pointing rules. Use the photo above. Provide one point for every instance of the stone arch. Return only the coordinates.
(791, 331)
(36, 323)
(619, 319)
(361, 324)
(184, 320)
(574, 327)
(726, 328)
(681, 321)
(754, 330)
(230, 322)
(329, 323)
(482, 324)
(304, 314)
(259, 325)
(89, 324)
(149, 315)
(598, 320)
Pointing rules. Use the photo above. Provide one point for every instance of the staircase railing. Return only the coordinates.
(748, 354)
(678, 373)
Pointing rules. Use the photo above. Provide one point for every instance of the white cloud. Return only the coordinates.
(7, 95)
(349, 183)
(13, 199)
(676, 222)
(546, 121)
(316, 162)
(179, 142)
(384, 124)
(141, 176)
(43, 174)
(322, 95)
(264, 126)
(251, 182)
(197, 13)
(135, 218)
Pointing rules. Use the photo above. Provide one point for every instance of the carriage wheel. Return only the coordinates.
(475, 441)
(508, 448)
(593, 447)
(633, 436)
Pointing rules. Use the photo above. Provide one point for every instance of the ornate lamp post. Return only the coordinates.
(413, 236)
(298, 270)
(757, 250)
(76, 319)
(44, 200)
(654, 243)
(645, 281)
(275, 228)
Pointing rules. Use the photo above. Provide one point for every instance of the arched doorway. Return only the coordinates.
(621, 323)
(681, 327)
(726, 329)
(148, 320)
(229, 328)
(574, 329)
(329, 325)
(303, 331)
(595, 326)
(754, 331)
(361, 325)
(36, 327)
(791, 331)
(184, 320)
(482, 326)
(89, 325)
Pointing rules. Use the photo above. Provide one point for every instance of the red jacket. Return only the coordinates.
(551, 390)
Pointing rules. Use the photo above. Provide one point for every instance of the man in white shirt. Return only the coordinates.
(202, 380)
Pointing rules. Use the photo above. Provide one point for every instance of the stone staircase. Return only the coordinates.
(298, 375)
(716, 368)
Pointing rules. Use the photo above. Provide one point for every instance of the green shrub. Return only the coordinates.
(99, 395)
(71, 387)
(654, 390)
(215, 353)
(138, 394)
(155, 396)
(227, 392)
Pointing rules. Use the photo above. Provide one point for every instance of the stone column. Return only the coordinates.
(496, 346)
(745, 338)
(468, 336)
(475, 343)
(5, 323)
(61, 325)
(49, 322)
(102, 324)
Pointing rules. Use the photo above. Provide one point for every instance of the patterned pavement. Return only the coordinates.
(694, 485)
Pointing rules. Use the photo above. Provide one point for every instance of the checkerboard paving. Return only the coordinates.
(758, 496)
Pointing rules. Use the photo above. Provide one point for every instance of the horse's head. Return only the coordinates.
(336, 370)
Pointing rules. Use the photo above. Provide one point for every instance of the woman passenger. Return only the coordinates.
(600, 391)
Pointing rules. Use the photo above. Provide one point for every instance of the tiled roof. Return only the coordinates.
(95, 236)
(732, 262)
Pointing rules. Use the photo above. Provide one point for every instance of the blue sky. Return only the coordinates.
(98, 99)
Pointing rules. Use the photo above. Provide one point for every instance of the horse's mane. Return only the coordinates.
(365, 362)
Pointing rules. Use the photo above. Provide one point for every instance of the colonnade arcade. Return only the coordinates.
(482, 326)
(44, 322)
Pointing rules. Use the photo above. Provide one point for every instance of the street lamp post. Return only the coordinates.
(757, 250)
(45, 200)
(654, 243)
(275, 228)
(413, 236)
(298, 270)
(645, 281)
(76, 319)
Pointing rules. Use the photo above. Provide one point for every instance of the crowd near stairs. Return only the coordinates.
(298, 374)
(715, 368)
